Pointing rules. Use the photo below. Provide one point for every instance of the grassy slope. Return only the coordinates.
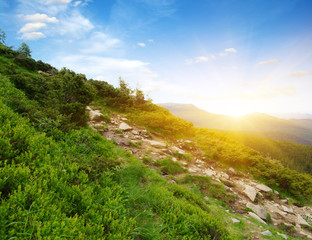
(79, 185)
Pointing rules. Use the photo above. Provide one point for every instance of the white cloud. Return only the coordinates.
(227, 51)
(141, 44)
(32, 27)
(99, 42)
(57, 1)
(77, 3)
(223, 54)
(32, 35)
(199, 59)
(40, 18)
(300, 74)
(271, 61)
(151, 40)
(232, 50)
(74, 25)
(149, 72)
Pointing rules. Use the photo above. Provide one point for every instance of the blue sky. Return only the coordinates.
(226, 56)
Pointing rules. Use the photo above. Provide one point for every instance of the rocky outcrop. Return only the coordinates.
(124, 126)
(260, 211)
(255, 216)
(250, 192)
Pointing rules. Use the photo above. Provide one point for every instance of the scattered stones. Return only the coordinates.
(124, 126)
(250, 192)
(255, 216)
(258, 210)
(267, 233)
(135, 132)
(234, 220)
(263, 188)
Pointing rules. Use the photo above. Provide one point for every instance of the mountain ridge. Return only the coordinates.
(296, 130)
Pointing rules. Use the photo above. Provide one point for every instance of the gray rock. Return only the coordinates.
(263, 188)
(301, 221)
(282, 235)
(234, 220)
(250, 192)
(258, 210)
(232, 170)
(124, 126)
(176, 149)
(135, 132)
(155, 143)
(267, 233)
(255, 216)
(286, 209)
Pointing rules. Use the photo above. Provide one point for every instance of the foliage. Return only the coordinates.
(168, 166)
(76, 184)
(25, 50)
(2, 36)
(291, 155)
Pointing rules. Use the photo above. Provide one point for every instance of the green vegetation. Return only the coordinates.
(291, 155)
(60, 179)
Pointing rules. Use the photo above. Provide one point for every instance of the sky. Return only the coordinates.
(228, 56)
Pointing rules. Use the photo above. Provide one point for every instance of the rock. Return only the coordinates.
(155, 143)
(124, 126)
(250, 192)
(301, 221)
(282, 235)
(309, 216)
(124, 119)
(263, 188)
(232, 170)
(284, 200)
(276, 192)
(176, 149)
(94, 114)
(255, 216)
(258, 210)
(267, 233)
(172, 181)
(224, 175)
(234, 220)
(135, 132)
(286, 209)
(209, 172)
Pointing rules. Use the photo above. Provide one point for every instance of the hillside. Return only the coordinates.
(258, 124)
(81, 159)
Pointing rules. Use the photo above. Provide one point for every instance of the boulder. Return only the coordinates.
(263, 188)
(267, 233)
(234, 220)
(250, 192)
(255, 216)
(155, 143)
(301, 221)
(94, 114)
(124, 126)
(176, 149)
(282, 235)
(286, 209)
(258, 210)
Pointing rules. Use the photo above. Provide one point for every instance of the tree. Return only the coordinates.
(24, 49)
(2, 36)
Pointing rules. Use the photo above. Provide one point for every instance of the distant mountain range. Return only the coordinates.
(258, 124)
